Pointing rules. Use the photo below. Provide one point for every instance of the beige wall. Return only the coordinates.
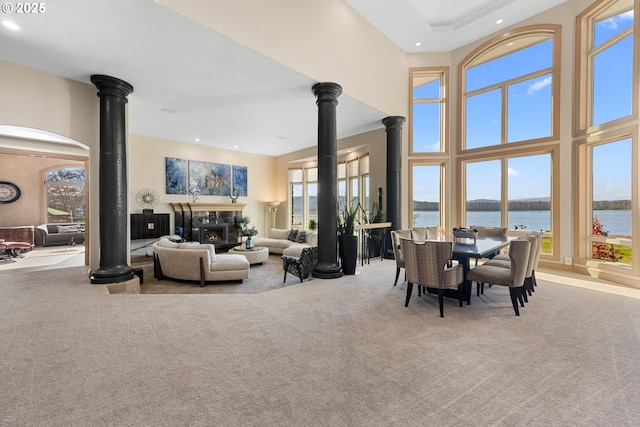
(27, 172)
(147, 170)
(34, 99)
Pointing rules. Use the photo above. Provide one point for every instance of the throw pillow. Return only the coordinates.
(302, 236)
(293, 233)
(68, 228)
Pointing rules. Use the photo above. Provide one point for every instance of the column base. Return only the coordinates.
(327, 271)
(116, 274)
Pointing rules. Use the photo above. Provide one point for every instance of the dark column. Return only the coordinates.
(113, 181)
(327, 98)
(393, 126)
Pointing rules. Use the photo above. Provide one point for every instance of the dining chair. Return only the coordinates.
(512, 277)
(534, 256)
(490, 232)
(396, 235)
(426, 265)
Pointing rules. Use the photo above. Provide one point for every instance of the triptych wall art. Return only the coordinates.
(205, 178)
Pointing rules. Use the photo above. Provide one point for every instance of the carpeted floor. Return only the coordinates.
(341, 352)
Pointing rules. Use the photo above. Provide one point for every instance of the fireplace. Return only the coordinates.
(214, 233)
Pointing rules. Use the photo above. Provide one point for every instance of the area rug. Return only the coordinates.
(262, 278)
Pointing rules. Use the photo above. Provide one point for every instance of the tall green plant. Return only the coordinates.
(348, 218)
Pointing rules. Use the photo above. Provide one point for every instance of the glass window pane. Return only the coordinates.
(483, 194)
(426, 127)
(612, 82)
(65, 203)
(529, 193)
(426, 87)
(367, 199)
(312, 202)
(355, 196)
(607, 28)
(342, 194)
(483, 119)
(611, 188)
(295, 175)
(529, 109)
(524, 61)
(312, 174)
(296, 205)
(342, 170)
(426, 195)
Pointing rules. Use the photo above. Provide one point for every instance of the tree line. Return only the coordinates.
(521, 205)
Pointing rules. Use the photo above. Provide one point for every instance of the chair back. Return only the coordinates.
(519, 250)
(425, 262)
(396, 235)
(538, 248)
(491, 232)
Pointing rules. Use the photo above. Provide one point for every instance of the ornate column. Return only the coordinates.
(113, 181)
(327, 98)
(393, 126)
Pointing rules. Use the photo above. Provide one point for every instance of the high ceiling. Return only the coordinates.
(262, 107)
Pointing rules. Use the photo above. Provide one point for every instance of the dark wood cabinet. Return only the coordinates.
(149, 225)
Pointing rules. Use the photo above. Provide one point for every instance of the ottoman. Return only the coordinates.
(256, 255)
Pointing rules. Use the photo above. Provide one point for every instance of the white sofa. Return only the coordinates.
(278, 242)
(195, 261)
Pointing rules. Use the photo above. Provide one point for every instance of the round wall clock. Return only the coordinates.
(9, 192)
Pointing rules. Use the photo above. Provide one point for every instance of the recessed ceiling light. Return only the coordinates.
(235, 146)
(418, 43)
(197, 139)
(11, 25)
(500, 21)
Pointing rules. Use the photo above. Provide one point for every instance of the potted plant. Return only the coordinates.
(313, 225)
(348, 241)
(242, 222)
(373, 235)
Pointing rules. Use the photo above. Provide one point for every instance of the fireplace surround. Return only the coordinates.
(216, 234)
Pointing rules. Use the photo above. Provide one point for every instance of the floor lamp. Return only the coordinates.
(273, 209)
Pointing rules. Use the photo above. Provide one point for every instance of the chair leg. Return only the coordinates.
(460, 292)
(514, 300)
(300, 275)
(420, 288)
(409, 289)
(397, 275)
(519, 295)
(441, 301)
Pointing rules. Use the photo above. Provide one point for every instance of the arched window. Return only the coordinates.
(64, 192)
(510, 91)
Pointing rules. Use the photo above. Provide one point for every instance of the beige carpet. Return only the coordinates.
(342, 352)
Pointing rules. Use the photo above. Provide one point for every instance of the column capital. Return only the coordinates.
(111, 86)
(327, 92)
(392, 122)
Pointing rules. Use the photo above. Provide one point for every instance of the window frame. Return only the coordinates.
(443, 72)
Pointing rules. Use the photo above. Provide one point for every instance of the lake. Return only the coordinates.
(615, 222)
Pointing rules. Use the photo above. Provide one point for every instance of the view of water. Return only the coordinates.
(616, 223)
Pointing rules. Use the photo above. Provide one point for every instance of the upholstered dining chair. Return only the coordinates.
(396, 235)
(512, 277)
(490, 232)
(534, 255)
(300, 266)
(426, 265)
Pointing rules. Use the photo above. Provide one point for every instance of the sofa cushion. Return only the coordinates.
(278, 233)
(295, 250)
(312, 239)
(68, 228)
(196, 245)
(293, 233)
(230, 262)
(301, 237)
(166, 243)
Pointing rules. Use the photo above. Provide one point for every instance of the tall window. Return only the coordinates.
(353, 181)
(428, 110)
(607, 128)
(509, 90)
(65, 189)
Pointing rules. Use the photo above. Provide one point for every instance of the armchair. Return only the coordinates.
(300, 266)
(396, 235)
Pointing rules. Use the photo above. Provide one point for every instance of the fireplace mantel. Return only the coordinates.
(220, 207)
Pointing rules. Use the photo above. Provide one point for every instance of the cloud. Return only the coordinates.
(612, 23)
(536, 86)
(512, 172)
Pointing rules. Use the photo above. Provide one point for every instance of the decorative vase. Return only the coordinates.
(348, 249)
(249, 243)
